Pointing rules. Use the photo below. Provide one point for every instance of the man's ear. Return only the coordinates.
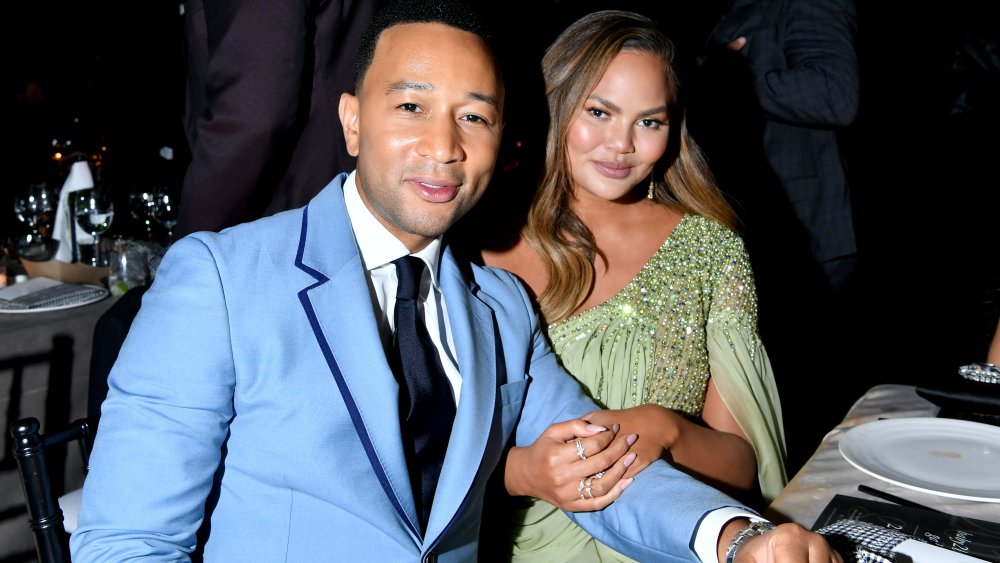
(349, 120)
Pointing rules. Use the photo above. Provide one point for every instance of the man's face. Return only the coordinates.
(425, 128)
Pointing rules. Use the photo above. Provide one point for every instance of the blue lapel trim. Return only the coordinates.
(345, 392)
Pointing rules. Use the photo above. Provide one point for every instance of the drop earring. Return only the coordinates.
(652, 187)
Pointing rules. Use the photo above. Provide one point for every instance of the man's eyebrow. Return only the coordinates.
(485, 98)
(404, 85)
(407, 85)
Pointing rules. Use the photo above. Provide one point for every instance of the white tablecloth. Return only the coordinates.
(827, 473)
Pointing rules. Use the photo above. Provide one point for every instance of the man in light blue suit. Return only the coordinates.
(252, 414)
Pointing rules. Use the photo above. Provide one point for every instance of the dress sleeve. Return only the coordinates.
(740, 367)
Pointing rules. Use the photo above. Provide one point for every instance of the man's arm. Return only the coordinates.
(816, 83)
(167, 414)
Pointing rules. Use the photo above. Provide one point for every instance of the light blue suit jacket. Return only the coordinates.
(254, 377)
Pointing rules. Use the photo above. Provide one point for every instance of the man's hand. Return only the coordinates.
(552, 470)
(788, 543)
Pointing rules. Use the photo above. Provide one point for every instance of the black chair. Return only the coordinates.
(44, 514)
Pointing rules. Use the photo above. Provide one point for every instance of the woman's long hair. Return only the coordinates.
(572, 67)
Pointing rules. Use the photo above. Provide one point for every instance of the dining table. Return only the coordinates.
(44, 373)
(828, 473)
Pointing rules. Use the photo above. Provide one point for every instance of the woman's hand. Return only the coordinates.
(554, 470)
(656, 426)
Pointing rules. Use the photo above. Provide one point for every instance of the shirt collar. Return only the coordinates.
(377, 245)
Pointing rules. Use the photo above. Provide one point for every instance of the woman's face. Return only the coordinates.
(621, 131)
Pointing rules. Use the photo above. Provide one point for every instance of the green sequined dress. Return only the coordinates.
(689, 313)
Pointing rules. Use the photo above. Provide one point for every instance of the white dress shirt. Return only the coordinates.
(379, 248)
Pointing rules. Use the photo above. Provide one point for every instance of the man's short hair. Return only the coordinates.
(447, 12)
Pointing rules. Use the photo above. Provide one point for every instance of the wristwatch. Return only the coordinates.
(756, 528)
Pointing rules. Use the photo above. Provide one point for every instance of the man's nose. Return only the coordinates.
(441, 141)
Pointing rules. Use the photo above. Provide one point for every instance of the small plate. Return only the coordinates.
(941, 456)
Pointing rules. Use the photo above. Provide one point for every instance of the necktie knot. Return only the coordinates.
(409, 270)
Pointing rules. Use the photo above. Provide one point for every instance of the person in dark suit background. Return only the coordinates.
(800, 59)
(263, 83)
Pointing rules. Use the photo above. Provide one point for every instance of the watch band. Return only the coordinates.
(758, 528)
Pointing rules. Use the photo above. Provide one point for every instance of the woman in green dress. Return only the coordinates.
(648, 293)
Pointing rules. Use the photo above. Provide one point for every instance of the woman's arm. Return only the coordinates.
(718, 453)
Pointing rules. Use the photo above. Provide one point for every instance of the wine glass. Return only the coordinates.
(94, 212)
(165, 212)
(143, 203)
(35, 208)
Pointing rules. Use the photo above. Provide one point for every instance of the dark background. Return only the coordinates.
(924, 300)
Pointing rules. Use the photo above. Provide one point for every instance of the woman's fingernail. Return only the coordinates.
(632, 438)
(626, 483)
(629, 459)
(595, 428)
(615, 428)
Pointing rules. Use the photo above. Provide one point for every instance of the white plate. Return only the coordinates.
(941, 456)
(94, 299)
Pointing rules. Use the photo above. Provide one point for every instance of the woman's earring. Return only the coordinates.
(652, 187)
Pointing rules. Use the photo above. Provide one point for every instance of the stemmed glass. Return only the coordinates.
(143, 203)
(94, 212)
(165, 212)
(34, 209)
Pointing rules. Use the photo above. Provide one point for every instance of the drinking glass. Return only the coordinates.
(143, 203)
(165, 212)
(35, 208)
(94, 212)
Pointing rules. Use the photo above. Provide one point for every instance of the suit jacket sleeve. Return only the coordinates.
(168, 410)
(247, 63)
(657, 517)
(804, 64)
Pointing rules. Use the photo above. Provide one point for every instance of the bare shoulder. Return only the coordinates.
(522, 261)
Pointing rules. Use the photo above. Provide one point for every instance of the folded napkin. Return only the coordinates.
(79, 178)
(41, 293)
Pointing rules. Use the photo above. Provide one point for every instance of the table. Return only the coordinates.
(44, 373)
(827, 472)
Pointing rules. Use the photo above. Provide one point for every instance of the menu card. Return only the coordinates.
(969, 536)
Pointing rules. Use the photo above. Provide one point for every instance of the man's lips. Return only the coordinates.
(435, 190)
(611, 169)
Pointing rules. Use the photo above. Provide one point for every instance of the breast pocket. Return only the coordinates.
(511, 400)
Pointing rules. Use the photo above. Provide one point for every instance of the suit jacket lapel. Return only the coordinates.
(472, 326)
(339, 309)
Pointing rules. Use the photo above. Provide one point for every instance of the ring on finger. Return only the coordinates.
(590, 493)
(598, 475)
(588, 482)
(582, 486)
(582, 497)
(579, 450)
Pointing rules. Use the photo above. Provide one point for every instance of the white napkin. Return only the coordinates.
(79, 178)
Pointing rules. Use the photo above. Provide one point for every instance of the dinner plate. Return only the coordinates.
(87, 301)
(941, 456)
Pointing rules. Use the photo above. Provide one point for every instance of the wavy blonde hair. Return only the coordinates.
(572, 67)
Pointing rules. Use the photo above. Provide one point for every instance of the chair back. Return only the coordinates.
(44, 515)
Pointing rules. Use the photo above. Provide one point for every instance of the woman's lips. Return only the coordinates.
(614, 170)
(435, 190)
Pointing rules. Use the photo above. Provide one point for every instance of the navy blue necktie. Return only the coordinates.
(427, 408)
